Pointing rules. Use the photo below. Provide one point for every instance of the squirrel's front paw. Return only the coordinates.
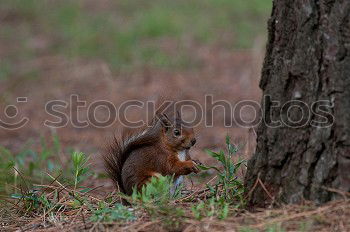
(197, 162)
(195, 168)
(187, 167)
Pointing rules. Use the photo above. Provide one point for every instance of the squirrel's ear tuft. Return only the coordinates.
(178, 115)
(165, 120)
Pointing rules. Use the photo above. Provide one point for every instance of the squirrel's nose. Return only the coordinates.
(193, 141)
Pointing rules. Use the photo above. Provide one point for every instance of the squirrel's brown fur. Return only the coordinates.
(137, 157)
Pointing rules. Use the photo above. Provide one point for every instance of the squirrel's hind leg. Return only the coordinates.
(147, 178)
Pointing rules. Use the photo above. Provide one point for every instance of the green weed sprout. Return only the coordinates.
(80, 167)
(157, 191)
(228, 186)
(110, 214)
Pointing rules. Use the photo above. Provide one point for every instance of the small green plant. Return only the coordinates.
(228, 186)
(247, 229)
(157, 199)
(80, 167)
(228, 190)
(157, 191)
(109, 214)
(211, 208)
(305, 226)
(275, 228)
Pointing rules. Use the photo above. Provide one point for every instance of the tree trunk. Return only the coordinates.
(307, 60)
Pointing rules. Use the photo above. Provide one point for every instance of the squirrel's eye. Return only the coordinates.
(177, 132)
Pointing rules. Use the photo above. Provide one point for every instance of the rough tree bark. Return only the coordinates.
(307, 59)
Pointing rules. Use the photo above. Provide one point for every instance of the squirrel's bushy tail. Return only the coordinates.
(120, 149)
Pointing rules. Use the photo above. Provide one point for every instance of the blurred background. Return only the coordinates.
(121, 50)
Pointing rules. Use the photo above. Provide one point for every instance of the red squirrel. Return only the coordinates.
(162, 149)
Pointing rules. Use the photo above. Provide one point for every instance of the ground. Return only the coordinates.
(139, 50)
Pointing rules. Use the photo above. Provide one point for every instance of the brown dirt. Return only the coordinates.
(92, 80)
